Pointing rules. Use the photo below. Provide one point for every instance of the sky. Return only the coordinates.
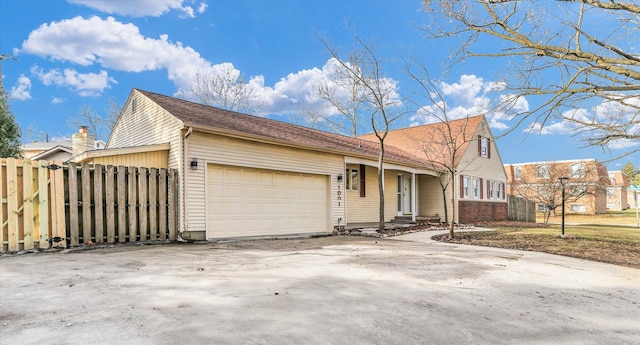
(74, 54)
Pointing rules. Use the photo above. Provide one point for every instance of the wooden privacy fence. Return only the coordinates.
(521, 209)
(84, 204)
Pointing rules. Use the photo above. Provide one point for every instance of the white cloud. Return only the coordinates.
(114, 45)
(56, 100)
(22, 91)
(470, 96)
(141, 8)
(86, 84)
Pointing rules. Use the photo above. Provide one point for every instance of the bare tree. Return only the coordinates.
(560, 55)
(381, 104)
(99, 125)
(346, 96)
(447, 140)
(541, 184)
(225, 88)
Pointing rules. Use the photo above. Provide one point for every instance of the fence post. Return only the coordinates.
(86, 204)
(133, 203)
(98, 195)
(122, 204)
(110, 187)
(143, 203)
(28, 219)
(3, 162)
(173, 205)
(162, 195)
(153, 203)
(57, 204)
(43, 205)
(12, 203)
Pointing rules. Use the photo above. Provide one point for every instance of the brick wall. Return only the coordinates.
(471, 212)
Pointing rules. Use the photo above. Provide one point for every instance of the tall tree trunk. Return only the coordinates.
(453, 206)
(381, 186)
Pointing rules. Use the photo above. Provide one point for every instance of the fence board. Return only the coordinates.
(98, 209)
(73, 205)
(162, 196)
(2, 202)
(110, 209)
(173, 200)
(143, 203)
(43, 205)
(12, 203)
(57, 204)
(86, 204)
(153, 203)
(27, 205)
(133, 203)
(122, 204)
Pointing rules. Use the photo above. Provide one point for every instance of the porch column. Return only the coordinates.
(414, 197)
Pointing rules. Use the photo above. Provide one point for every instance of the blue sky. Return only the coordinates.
(79, 53)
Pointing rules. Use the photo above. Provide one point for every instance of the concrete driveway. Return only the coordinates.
(335, 290)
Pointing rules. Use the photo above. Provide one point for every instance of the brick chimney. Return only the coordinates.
(82, 141)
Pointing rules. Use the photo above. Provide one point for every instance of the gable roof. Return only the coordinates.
(243, 125)
(50, 152)
(420, 140)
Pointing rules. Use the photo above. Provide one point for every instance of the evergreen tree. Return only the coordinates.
(632, 173)
(9, 131)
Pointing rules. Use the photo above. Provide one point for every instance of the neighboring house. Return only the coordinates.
(480, 180)
(247, 176)
(62, 150)
(617, 199)
(585, 190)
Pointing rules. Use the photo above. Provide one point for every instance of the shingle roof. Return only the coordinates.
(423, 140)
(195, 114)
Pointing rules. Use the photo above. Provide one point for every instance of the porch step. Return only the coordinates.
(402, 220)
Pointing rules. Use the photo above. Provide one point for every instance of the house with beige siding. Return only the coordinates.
(247, 176)
(467, 145)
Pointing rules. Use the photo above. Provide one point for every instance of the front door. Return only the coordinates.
(404, 195)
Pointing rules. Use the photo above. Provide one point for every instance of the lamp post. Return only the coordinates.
(563, 182)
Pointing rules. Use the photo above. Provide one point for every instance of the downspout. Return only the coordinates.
(184, 178)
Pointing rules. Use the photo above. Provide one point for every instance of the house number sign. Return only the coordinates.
(339, 196)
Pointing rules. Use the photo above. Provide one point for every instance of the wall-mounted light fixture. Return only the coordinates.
(339, 177)
(194, 163)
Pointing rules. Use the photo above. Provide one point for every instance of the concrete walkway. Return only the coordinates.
(333, 290)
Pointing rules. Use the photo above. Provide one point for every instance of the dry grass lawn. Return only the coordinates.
(619, 245)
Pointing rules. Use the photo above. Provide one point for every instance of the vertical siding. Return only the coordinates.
(209, 148)
(148, 125)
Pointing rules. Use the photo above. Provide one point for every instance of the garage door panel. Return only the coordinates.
(255, 202)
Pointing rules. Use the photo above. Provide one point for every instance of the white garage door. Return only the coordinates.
(255, 202)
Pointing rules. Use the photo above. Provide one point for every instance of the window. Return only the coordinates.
(352, 180)
(578, 208)
(484, 149)
(577, 190)
(543, 192)
(492, 190)
(518, 173)
(542, 208)
(610, 193)
(134, 105)
(475, 183)
(500, 194)
(542, 172)
(465, 187)
(576, 170)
